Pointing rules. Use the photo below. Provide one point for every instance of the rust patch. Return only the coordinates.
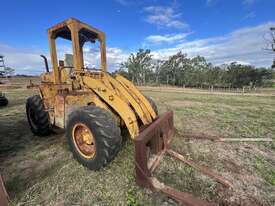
(154, 140)
(200, 136)
(59, 110)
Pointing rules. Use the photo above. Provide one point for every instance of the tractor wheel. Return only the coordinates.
(38, 118)
(93, 136)
(153, 104)
(3, 101)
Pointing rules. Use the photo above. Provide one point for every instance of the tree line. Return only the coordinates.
(179, 70)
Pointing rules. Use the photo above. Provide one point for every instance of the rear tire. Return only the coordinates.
(153, 104)
(105, 134)
(38, 118)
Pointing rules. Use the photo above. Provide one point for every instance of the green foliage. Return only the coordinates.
(15, 184)
(179, 70)
(173, 69)
(245, 75)
(267, 173)
(131, 197)
(139, 66)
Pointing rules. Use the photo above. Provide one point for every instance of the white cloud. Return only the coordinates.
(243, 45)
(250, 15)
(114, 57)
(123, 2)
(209, 2)
(164, 17)
(28, 61)
(168, 38)
(244, 2)
(237, 62)
(248, 2)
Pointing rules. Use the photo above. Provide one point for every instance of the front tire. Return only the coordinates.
(153, 104)
(38, 118)
(93, 136)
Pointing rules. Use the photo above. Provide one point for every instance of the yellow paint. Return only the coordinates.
(139, 96)
(142, 113)
(113, 100)
(81, 88)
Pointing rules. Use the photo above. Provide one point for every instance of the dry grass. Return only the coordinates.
(41, 171)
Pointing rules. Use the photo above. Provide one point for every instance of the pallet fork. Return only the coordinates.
(154, 141)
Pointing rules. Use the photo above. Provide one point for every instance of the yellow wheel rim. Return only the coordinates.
(84, 140)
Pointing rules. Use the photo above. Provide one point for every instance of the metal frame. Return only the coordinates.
(74, 27)
(156, 138)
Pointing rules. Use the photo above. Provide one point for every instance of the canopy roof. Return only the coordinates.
(86, 32)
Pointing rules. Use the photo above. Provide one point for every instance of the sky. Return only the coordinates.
(222, 31)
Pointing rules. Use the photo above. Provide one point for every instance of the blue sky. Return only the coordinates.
(221, 30)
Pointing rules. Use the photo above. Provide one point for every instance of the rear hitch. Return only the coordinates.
(154, 141)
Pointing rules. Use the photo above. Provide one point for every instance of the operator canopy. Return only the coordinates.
(78, 33)
(84, 35)
(86, 32)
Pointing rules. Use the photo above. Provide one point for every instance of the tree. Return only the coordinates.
(269, 38)
(157, 66)
(172, 69)
(215, 76)
(180, 70)
(272, 30)
(200, 71)
(245, 75)
(139, 65)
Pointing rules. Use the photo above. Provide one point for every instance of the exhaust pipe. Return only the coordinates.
(46, 62)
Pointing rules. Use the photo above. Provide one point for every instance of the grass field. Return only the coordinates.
(41, 171)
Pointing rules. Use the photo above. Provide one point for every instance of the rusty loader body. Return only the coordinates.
(93, 106)
(90, 104)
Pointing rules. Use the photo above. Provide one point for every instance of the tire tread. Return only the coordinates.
(43, 123)
(108, 134)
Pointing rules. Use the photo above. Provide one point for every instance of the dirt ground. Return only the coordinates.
(42, 171)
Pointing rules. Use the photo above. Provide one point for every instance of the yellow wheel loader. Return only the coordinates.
(93, 106)
(90, 104)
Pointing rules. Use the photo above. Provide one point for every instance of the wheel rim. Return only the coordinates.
(84, 140)
(33, 118)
